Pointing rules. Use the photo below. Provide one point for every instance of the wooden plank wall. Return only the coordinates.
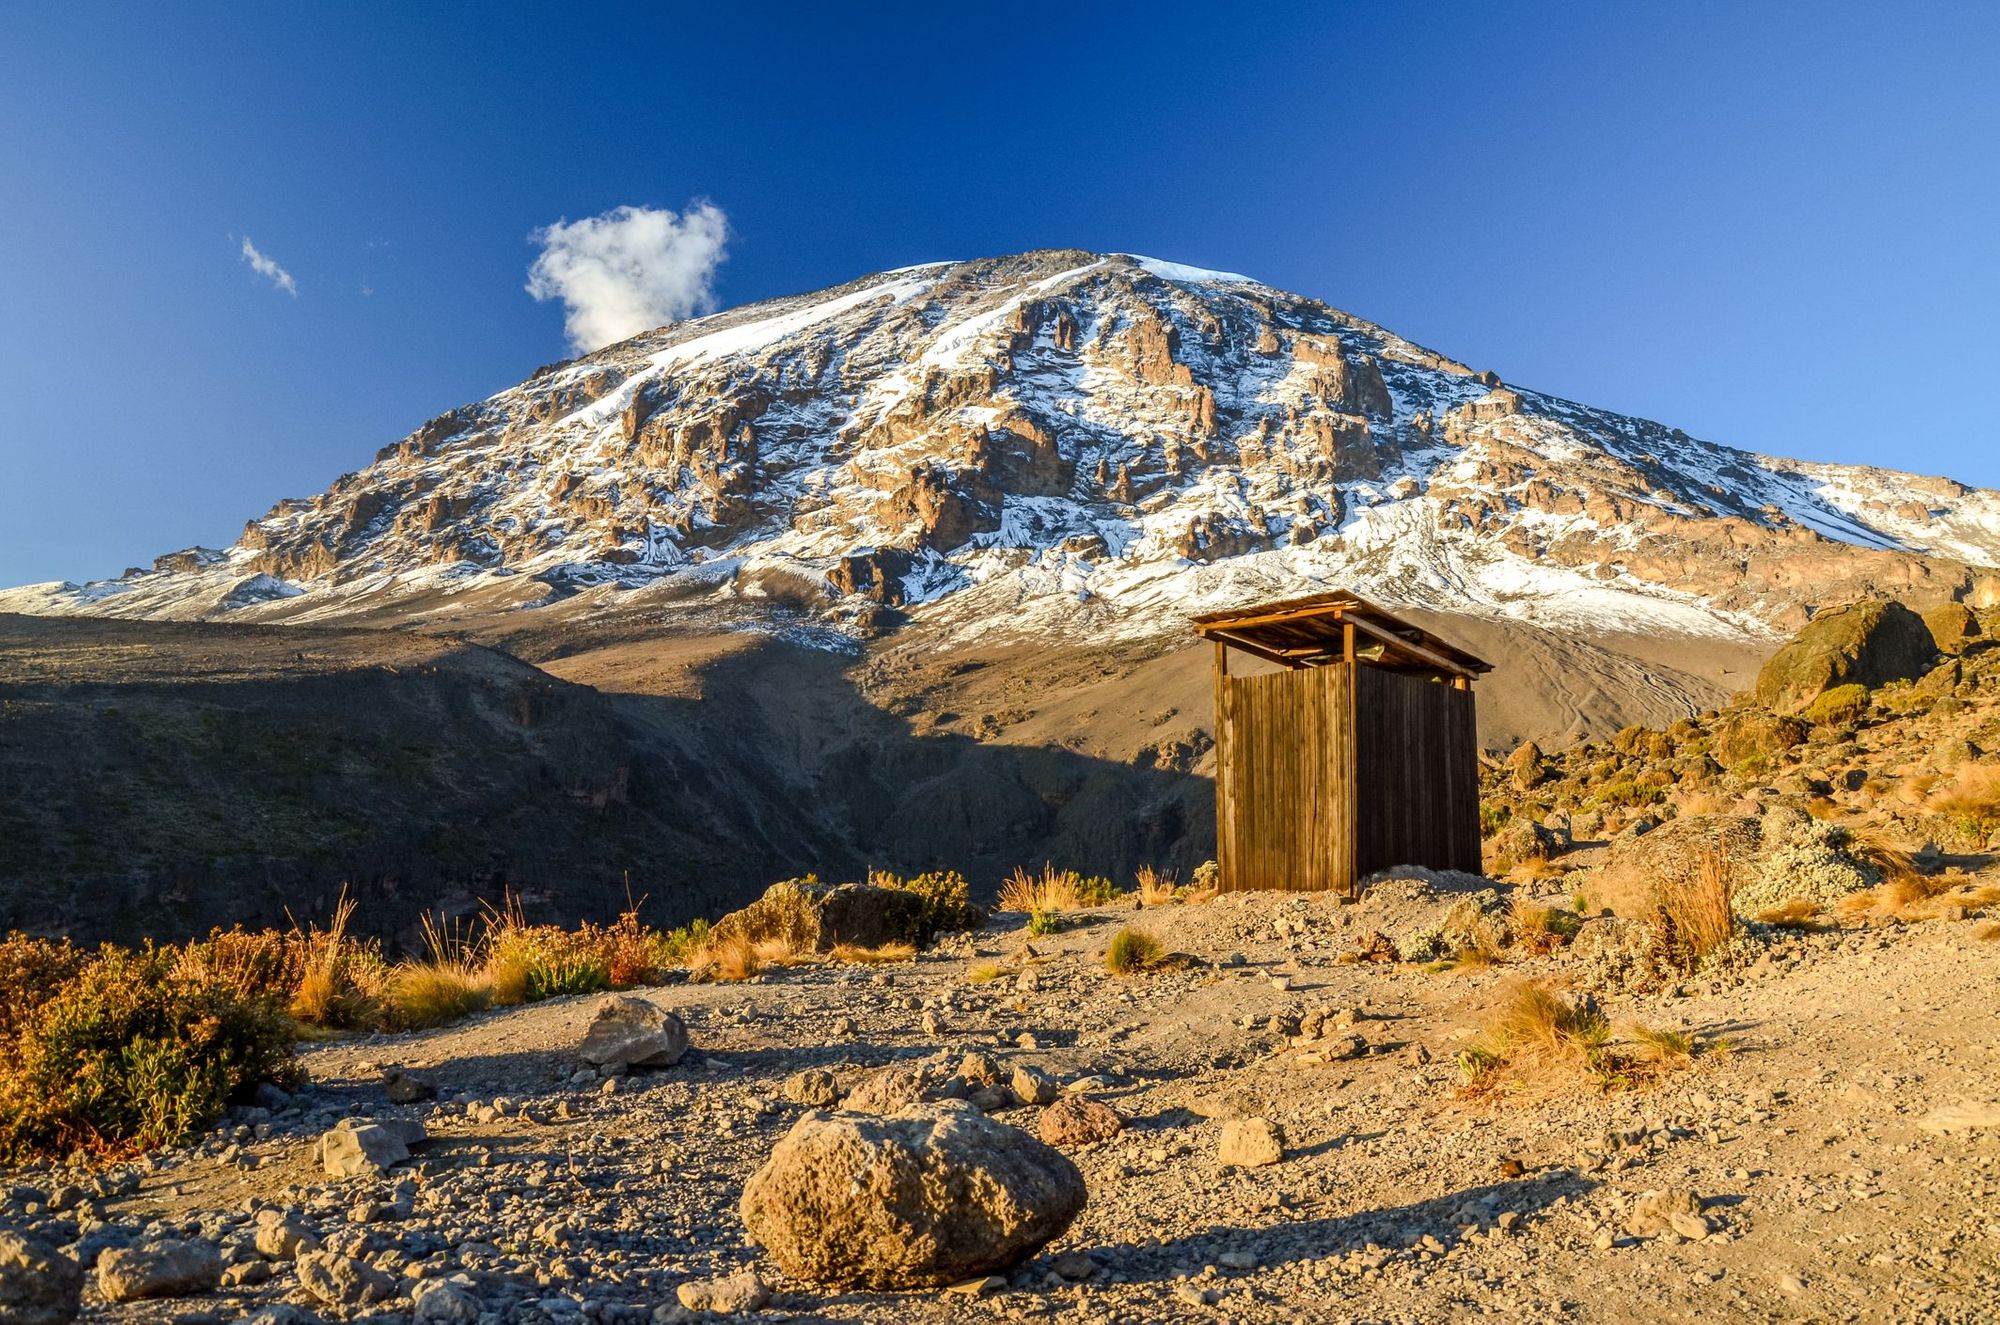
(1418, 791)
(1284, 780)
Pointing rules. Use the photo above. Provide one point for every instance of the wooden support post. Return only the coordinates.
(1461, 683)
(1347, 641)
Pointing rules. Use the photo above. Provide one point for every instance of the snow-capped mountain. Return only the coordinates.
(1097, 442)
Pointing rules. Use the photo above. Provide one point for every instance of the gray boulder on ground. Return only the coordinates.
(165, 1269)
(627, 1031)
(38, 1284)
(437, 1302)
(934, 1195)
(361, 1147)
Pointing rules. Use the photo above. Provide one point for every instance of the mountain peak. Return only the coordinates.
(1100, 442)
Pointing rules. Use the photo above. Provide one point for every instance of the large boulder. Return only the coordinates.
(1953, 627)
(936, 1194)
(38, 1284)
(809, 916)
(1866, 644)
(633, 1032)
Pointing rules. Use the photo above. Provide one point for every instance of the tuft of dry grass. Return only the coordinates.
(1988, 933)
(1972, 798)
(1155, 888)
(1873, 849)
(1537, 1043)
(1694, 917)
(341, 979)
(1131, 951)
(983, 973)
(1795, 914)
(1054, 890)
(855, 955)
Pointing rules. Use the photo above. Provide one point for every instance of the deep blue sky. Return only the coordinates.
(1772, 225)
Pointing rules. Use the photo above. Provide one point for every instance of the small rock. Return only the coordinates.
(358, 1147)
(1653, 1214)
(282, 1237)
(406, 1087)
(38, 1284)
(1792, 1284)
(815, 1087)
(991, 1283)
(1250, 1143)
(885, 1091)
(1034, 1086)
(627, 1031)
(165, 1269)
(1076, 1121)
(438, 1302)
(742, 1291)
(343, 1281)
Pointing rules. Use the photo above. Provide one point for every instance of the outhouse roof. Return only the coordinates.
(1310, 632)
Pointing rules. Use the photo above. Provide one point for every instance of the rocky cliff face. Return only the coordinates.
(1099, 443)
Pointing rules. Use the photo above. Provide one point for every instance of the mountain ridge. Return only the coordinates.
(1060, 440)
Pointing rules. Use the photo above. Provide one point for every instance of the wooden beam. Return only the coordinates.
(1273, 618)
(1347, 641)
(1256, 649)
(1389, 637)
(1221, 660)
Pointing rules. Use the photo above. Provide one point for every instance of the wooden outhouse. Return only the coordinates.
(1355, 753)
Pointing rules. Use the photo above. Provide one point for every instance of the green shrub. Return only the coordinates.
(1132, 950)
(127, 1055)
(1841, 706)
(1626, 792)
(947, 903)
(1043, 922)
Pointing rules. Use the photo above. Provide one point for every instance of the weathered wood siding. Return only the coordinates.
(1418, 791)
(1284, 780)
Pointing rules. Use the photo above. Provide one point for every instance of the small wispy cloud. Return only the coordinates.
(629, 270)
(265, 266)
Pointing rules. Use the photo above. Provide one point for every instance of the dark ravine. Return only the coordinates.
(162, 778)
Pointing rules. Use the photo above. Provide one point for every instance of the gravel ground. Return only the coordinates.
(557, 1196)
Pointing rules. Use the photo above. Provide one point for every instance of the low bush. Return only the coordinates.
(946, 898)
(126, 1053)
(1841, 706)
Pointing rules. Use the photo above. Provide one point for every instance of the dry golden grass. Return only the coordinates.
(1535, 870)
(1988, 933)
(1795, 914)
(1702, 800)
(1538, 1043)
(433, 993)
(1693, 917)
(1972, 798)
(855, 955)
(1155, 888)
(1872, 847)
(1534, 1043)
(1053, 890)
(342, 979)
(982, 973)
(734, 957)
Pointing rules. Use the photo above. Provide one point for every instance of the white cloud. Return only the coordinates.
(265, 267)
(629, 270)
